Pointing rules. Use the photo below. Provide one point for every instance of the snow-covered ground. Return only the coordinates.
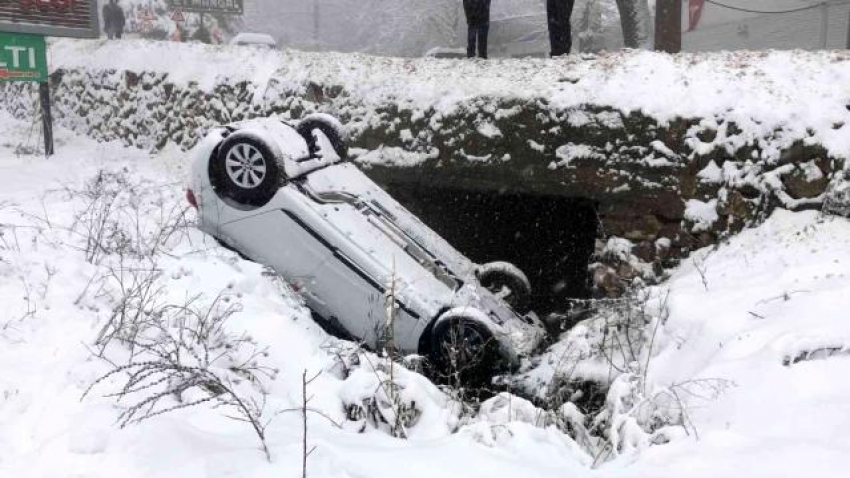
(56, 302)
(756, 343)
(773, 98)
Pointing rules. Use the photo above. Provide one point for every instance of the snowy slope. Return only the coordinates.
(771, 317)
(762, 321)
(55, 302)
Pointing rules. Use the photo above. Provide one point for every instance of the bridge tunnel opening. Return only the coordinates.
(551, 238)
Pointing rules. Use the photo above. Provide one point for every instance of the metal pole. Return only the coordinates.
(824, 24)
(316, 22)
(46, 117)
(848, 28)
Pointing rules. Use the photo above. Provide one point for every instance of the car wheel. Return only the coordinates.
(506, 281)
(246, 170)
(330, 128)
(464, 351)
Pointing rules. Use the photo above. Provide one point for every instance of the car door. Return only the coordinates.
(349, 293)
(279, 240)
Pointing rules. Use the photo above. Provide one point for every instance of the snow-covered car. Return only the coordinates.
(284, 196)
(254, 39)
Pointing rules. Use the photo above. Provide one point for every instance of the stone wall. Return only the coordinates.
(667, 188)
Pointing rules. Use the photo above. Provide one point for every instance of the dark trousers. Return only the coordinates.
(560, 30)
(113, 33)
(477, 34)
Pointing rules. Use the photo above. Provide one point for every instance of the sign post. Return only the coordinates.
(46, 117)
(23, 52)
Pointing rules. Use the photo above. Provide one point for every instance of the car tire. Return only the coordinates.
(246, 170)
(463, 351)
(332, 130)
(508, 282)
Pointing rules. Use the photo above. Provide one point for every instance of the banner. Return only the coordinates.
(58, 18)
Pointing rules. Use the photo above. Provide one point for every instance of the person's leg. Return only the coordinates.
(471, 34)
(483, 32)
(561, 37)
(553, 27)
(558, 39)
(568, 30)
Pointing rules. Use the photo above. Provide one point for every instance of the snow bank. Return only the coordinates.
(787, 96)
(744, 351)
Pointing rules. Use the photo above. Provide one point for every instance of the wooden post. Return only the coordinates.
(668, 26)
(46, 117)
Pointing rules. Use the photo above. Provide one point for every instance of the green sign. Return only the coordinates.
(22, 57)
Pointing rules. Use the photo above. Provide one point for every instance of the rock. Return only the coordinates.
(806, 181)
(606, 283)
(837, 199)
(645, 251)
(643, 228)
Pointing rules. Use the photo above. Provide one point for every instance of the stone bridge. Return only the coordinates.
(552, 182)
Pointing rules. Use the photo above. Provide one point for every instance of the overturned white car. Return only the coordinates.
(284, 196)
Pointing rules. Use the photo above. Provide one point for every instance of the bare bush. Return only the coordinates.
(140, 305)
(305, 410)
(634, 419)
(624, 412)
(701, 266)
(385, 408)
(121, 216)
(9, 240)
(182, 356)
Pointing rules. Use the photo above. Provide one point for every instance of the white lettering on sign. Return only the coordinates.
(16, 57)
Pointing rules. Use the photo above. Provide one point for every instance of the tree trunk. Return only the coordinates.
(668, 26)
(636, 23)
